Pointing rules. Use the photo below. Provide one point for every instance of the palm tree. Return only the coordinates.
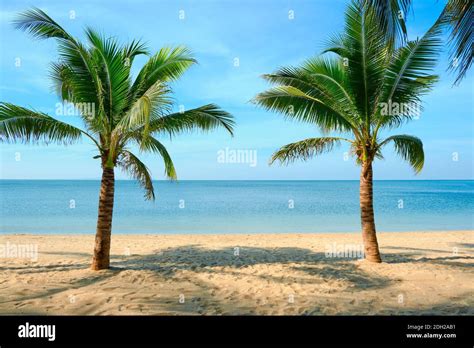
(457, 16)
(352, 89)
(126, 112)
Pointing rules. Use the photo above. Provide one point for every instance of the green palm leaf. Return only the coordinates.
(321, 79)
(40, 25)
(409, 74)
(410, 148)
(305, 149)
(138, 170)
(296, 104)
(133, 49)
(76, 73)
(166, 65)
(206, 118)
(459, 15)
(391, 15)
(21, 124)
(114, 72)
(155, 102)
(365, 51)
(151, 144)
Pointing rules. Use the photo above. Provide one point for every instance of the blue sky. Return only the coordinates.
(263, 38)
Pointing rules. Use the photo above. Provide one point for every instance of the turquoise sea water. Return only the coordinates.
(70, 206)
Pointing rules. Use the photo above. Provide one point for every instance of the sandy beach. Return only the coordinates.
(266, 274)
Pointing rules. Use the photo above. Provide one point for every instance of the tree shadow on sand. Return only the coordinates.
(197, 259)
(304, 267)
(78, 284)
(461, 260)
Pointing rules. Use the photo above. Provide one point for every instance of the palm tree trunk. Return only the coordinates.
(369, 236)
(101, 259)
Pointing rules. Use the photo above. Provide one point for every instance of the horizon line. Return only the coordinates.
(165, 180)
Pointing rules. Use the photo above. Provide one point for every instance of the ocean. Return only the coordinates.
(201, 207)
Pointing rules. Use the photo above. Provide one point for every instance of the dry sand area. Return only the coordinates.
(288, 274)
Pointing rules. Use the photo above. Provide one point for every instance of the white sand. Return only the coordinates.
(422, 273)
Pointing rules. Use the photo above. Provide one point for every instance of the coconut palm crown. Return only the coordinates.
(126, 112)
(351, 89)
(457, 17)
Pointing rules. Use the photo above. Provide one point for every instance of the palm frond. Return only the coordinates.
(459, 15)
(416, 60)
(409, 74)
(82, 79)
(323, 79)
(154, 103)
(166, 65)
(204, 118)
(133, 49)
(73, 54)
(391, 15)
(296, 104)
(410, 148)
(21, 124)
(78, 72)
(113, 71)
(63, 81)
(138, 170)
(304, 149)
(150, 144)
(40, 25)
(367, 51)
